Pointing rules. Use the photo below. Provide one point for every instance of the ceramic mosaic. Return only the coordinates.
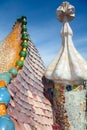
(71, 106)
(75, 105)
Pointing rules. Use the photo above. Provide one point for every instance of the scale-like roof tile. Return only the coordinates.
(29, 108)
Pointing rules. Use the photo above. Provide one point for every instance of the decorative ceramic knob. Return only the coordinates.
(13, 71)
(6, 123)
(65, 12)
(4, 96)
(2, 109)
(6, 76)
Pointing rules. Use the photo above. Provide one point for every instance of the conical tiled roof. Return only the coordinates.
(29, 108)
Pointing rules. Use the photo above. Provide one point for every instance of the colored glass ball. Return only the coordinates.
(25, 37)
(25, 45)
(22, 58)
(25, 41)
(20, 63)
(24, 17)
(24, 28)
(4, 96)
(24, 21)
(6, 123)
(23, 53)
(24, 49)
(68, 87)
(2, 83)
(2, 109)
(24, 32)
(6, 76)
(13, 71)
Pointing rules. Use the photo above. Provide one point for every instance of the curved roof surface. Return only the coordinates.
(29, 108)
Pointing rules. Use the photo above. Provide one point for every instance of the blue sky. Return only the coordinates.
(43, 27)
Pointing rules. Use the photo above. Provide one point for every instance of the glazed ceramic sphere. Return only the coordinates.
(13, 71)
(6, 123)
(4, 96)
(6, 76)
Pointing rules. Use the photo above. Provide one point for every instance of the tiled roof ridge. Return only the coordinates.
(29, 108)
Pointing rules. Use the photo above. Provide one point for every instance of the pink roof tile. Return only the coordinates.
(29, 108)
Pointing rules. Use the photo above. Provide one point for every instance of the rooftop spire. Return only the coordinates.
(68, 66)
